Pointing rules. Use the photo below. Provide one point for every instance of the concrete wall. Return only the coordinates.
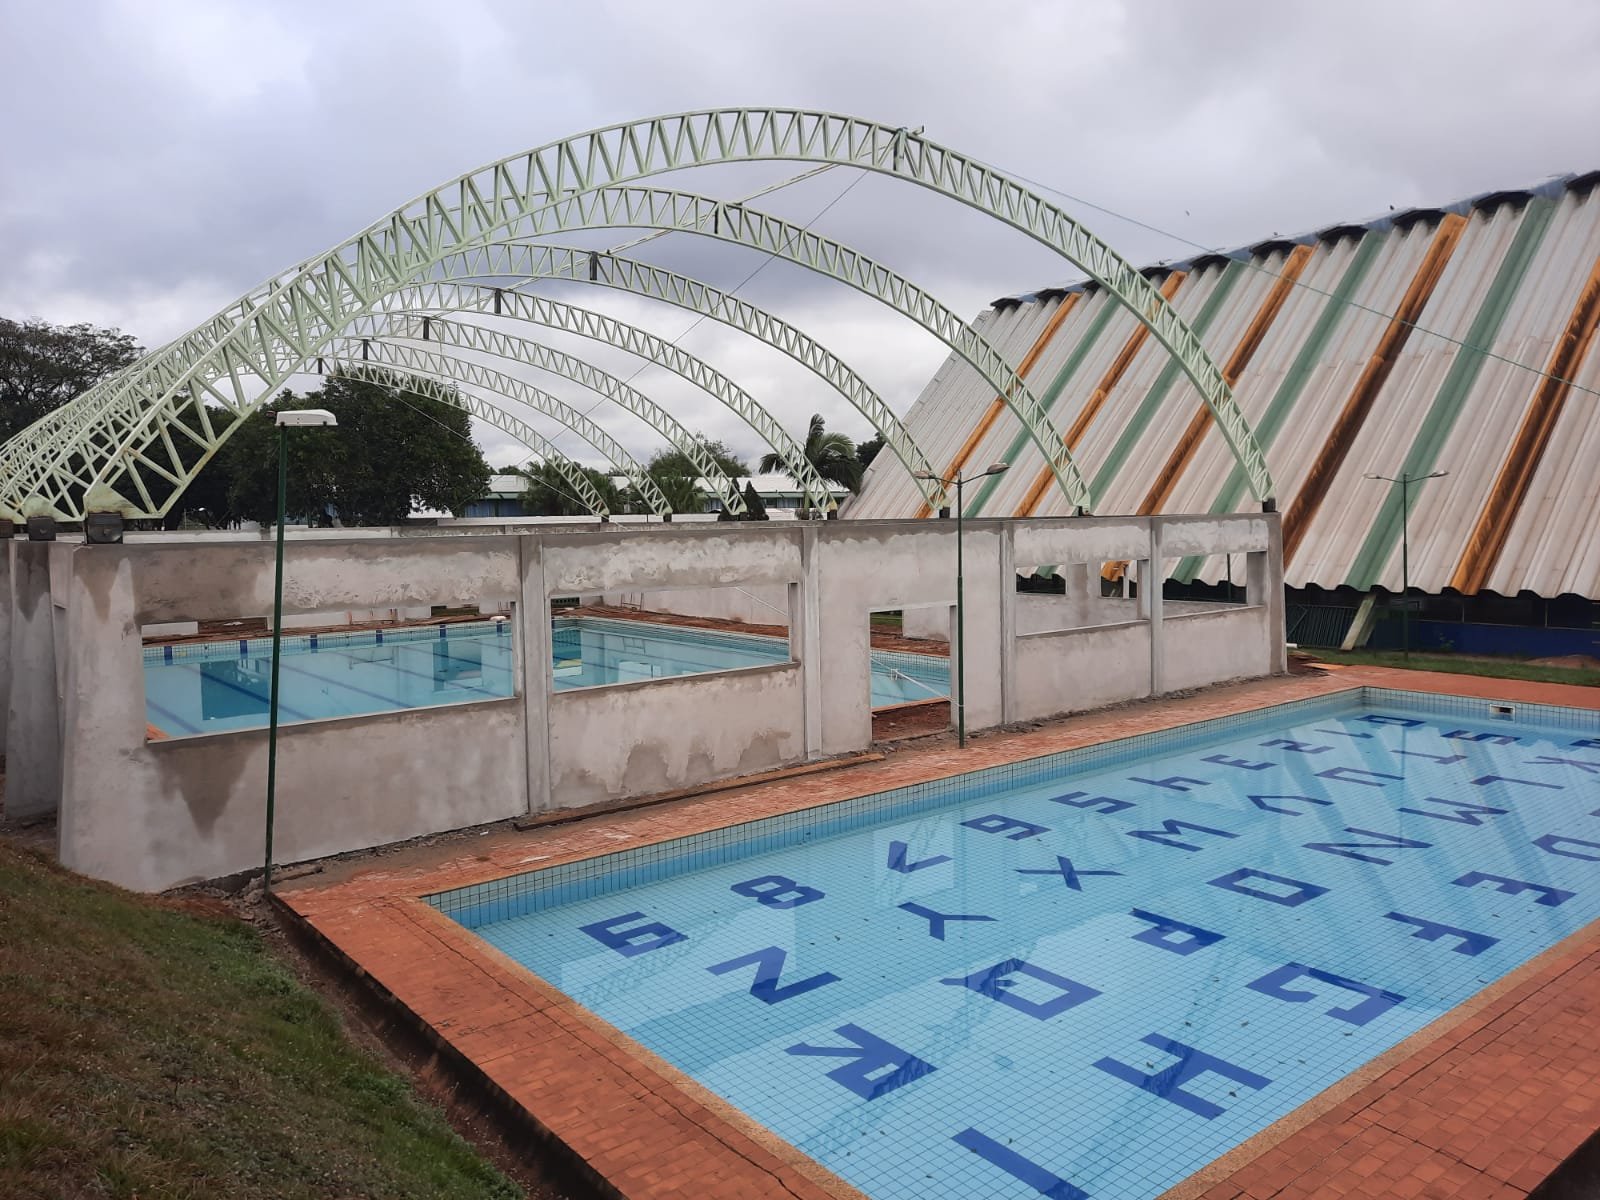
(151, 814)
(759, 605)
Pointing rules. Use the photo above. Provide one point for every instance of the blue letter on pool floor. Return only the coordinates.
(1047, 1184)
(892, 1066)
(1192, 1063)
(652, 935)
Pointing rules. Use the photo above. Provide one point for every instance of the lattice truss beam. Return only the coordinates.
(138, 438)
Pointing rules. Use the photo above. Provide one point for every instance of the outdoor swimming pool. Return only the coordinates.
(215, 687)
(1090, 974)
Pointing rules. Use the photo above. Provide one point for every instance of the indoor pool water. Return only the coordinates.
(1088, 975)
(216, 687)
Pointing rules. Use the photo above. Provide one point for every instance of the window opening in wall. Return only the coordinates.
(215, 676)
(1057, 598)
(625, 637)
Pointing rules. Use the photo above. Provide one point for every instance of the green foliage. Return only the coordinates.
(868, 450)
(393, 450)
(756, 506)
(1457, 664)
(832, 455)
(676, 462)
(548, 493)
(42, 366)
(149, 1049)
(682, 491)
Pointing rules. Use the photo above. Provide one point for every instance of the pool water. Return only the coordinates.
(1089, 975)
(222, 686)
(593, 650)
(218, 687)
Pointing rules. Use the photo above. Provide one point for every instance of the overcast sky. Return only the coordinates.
(161, 157)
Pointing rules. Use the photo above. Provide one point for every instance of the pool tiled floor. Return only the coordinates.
(1485, 1102)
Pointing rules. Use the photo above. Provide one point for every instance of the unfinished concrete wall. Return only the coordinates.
(759, 605)
(33, 706)
(153, 813)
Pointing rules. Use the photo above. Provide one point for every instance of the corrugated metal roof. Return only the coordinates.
(1403, 345)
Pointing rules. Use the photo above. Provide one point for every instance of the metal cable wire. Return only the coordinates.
(1356, 304)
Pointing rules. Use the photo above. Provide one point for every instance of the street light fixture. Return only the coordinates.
(300, 418)
(959, 481)
(1405, 481)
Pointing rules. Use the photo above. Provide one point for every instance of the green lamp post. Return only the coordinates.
(300, 418)
(1405, 481)
(959, 480)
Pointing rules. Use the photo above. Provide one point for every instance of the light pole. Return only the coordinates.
(300, 418)
(961, 613)
(1405, 481)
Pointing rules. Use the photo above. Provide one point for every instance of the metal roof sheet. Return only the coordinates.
(1501, 288)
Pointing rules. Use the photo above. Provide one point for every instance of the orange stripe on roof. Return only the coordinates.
(1189, 443)
(1097, 398)
(1336, 447)
(1511, 486)
(998, 404)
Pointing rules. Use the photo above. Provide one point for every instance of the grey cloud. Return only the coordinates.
(167, 156)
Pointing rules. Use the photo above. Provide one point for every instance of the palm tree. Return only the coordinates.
(832, 455)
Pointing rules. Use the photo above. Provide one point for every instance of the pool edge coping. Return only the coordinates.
(409, 891)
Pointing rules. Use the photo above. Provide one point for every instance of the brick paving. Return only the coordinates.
(1483, 1103)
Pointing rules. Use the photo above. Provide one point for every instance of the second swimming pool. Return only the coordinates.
(215, 687)
(1090, 974)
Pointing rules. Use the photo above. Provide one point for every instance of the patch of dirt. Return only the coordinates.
(910, 720)
(1575, 662)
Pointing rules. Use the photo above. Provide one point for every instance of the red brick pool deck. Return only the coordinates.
(1485, 1102)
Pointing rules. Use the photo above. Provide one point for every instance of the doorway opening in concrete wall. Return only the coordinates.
(909, 675)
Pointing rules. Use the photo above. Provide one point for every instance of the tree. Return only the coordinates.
(393, 450)
(42, 366)
(550, 494)
(868, 450)
(832, 455)
(681, 490)
(676, 462)
(755, 506)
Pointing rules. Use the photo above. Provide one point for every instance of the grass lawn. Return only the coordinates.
(153, 1051)
(1499, 668)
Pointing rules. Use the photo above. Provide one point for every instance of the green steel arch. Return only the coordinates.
(502, 261)
(658, 209)
(495, 344)
(427, 299)
(126, 430)
(472, 378)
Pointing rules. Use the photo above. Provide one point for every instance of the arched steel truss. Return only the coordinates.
(418, 302)
(124, 431)
(473, 379)
(520, 261)
(440, 334)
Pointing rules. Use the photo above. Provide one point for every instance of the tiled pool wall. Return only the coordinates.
(549, 887)
(222, 649)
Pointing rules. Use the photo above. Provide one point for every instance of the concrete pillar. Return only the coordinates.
(535, 654)
(5, 638)
(1264, 586)
(1152, 575)
(1007, 585)
(805, 637)
(33, 717)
